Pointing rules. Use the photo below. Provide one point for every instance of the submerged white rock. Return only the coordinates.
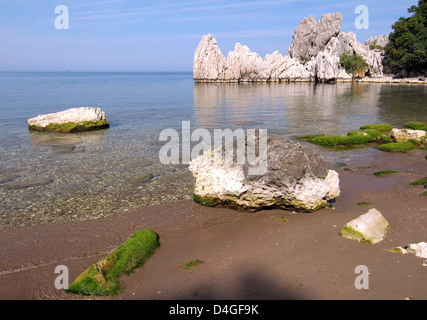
(370, 228)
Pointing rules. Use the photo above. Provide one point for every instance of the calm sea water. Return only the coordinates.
(56, 177)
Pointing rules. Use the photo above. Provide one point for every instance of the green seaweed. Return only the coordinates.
(421, 182)
(395, 250)
(334, 140)
(208, 202)
(424, 194)
(385, 172)
(365, 204)
(397, 147)
(103, 278)
(190, 265)
(72, 127)
(416, 126)
(381, 127)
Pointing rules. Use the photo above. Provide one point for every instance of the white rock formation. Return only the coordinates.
(369, 228)
(209, 62)
(311, 37)
(313, 55)
(295, 178)
(76, 115)
(402, 135)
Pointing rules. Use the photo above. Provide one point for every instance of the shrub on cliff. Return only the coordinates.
(407, 49)
(354, 64)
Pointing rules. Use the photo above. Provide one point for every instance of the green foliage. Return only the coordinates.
(354, 63)
(103, 278)
(416, 126)
(397, 147)
(373, 46)
(407, 49)
(381, 127)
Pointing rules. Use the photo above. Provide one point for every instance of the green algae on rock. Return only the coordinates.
(416, 126)
(72, 127)
(70, 121)
(381, 127)
(369, 228)
(103, 278)
(397, 147)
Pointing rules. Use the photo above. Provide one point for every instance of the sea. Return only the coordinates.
(51, 177)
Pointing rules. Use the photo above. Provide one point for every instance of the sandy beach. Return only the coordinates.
(245, 255)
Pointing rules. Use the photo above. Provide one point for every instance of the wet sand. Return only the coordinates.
(245, 255)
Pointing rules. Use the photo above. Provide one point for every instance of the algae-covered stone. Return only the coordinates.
(369, 228)
(103, 278)
(72, 120)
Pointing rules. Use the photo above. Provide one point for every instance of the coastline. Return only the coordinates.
(246, 256)
(385, 79)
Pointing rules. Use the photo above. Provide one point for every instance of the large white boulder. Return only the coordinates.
(295, 178)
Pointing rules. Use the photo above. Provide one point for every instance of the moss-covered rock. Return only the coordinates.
(416, 126)
(397, 146)
(381, 127)
(352, 138)
(72, 127)
(103, 278)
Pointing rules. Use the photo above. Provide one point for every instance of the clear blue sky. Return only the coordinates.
(162, 35)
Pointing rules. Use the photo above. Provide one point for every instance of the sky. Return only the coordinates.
(162, 35)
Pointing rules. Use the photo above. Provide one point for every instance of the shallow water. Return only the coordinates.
(48, 177)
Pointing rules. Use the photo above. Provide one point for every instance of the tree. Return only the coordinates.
(407, 50)
(354, 64)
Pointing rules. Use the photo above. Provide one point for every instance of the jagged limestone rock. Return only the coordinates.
(370, 228)
(314, 55)
(209, 62)
(311, 37)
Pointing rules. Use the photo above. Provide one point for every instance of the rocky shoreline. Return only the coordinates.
(314, 56)
(271, 254)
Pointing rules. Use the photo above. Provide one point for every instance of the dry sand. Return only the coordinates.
(245, 255)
